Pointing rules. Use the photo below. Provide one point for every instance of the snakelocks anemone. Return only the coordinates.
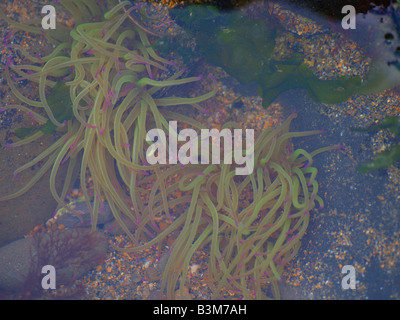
(108, 72)
(104, 77)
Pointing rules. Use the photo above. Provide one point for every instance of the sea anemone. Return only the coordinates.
(105, 79)
(251, 225)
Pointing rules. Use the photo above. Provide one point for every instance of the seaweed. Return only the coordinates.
(383, 159)
(60, 103)
(72, 252)
(244, 48)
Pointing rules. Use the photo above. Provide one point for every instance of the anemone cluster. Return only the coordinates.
(251, 225)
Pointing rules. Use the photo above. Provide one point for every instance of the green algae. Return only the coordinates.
(244, 48)
(387, 158)
(60, 104)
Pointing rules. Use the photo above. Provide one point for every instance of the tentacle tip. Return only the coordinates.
(109, 229)
(9, 61)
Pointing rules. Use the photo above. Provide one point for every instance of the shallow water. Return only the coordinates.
(359, 224)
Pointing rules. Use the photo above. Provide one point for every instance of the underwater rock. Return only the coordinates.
(332, 10)
(15, 259)
(72, 252)
(377, 33)
(80, 216)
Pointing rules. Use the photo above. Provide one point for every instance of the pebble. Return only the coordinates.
(80, 216)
